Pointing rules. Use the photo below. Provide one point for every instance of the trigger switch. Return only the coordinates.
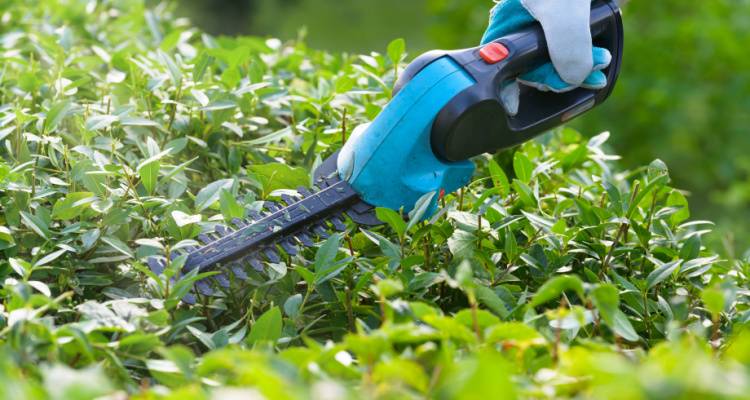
(493, 53)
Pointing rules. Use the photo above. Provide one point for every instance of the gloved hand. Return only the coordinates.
(566, 23)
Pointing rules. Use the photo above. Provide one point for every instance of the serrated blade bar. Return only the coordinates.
(332, 200)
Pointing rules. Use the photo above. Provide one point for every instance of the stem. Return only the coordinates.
(343, 127)
(349, 309)
(605, 264)
(475, 317)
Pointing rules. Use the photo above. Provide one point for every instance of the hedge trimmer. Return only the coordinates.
(445, 110)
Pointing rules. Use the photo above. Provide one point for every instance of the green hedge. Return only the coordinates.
(125, 132)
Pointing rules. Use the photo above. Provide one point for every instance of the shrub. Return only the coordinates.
(125, 133)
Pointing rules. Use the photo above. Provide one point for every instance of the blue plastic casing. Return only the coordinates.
(390, 162)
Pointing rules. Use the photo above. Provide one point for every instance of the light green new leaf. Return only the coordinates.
(678, 201)
(275, 176)
(396, 50)
(229, 206)
(713, 299)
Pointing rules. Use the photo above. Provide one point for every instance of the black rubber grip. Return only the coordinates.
(474, 122)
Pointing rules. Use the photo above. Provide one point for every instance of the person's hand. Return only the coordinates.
(566, 24)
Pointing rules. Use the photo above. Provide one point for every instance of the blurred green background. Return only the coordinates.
(684, 94)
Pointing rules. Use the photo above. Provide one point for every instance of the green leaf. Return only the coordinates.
(396, 50)
(56, 114)
(229, 206)
(73, 205)
(462, 244)
(663, 272)
(292, 305)
(554, 288)
(6, 238)
(326, 254)
(615, 199)
(148, 170)
(606, 299)
(491, 300)
(267, 328)
(393, 219)
(36, 224)
(97, 122)
(523, 167)
(499, 179)
(174, 71)
(20, 267)
(277, 176)
(678, 201)
(624, 328)
(421, 209)
(201, 66)
(658, 169)
(149, 174)
(210, 194)
(524, 193)
(713, 299)
(118, 245)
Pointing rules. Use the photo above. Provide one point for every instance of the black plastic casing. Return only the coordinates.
(475, 122)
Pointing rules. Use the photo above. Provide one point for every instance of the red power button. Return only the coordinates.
(493, 53)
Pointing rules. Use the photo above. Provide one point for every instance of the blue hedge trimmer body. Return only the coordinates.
(445, 110)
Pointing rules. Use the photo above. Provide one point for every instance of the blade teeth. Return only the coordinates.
(272, 255)
(320, 231)
(272, 207)
(255, 263)
(222, 230)
(239, 272)
(305, 239)
(204, 288)
(205, 238)
(189, 299)
(222, 280)
(289, 247)
(156, 265)
(289, 200)
(254, 215)
(238, 223)
(304, 192)
(337, 223)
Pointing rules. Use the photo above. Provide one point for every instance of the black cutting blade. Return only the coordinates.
(240, 249)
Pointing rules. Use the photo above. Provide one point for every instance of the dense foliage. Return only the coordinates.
(125, 132)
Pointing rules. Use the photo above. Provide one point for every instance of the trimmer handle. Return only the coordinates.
(474, 122)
